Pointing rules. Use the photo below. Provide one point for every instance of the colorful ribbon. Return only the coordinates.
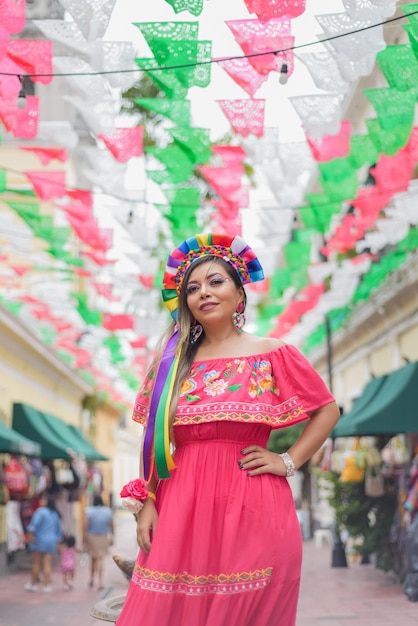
(157, 454)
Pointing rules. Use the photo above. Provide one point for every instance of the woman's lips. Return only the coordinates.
(208, 306)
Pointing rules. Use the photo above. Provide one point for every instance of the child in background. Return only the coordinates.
(68, 561)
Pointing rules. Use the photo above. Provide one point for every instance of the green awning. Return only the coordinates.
(90, 453)
(15, 443)
(345, 424)
(74, 438)
(391, 409)
(57, 439)
(31, 423)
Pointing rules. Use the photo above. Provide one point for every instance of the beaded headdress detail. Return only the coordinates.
(233, 250)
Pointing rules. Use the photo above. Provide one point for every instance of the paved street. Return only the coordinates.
(358, 594)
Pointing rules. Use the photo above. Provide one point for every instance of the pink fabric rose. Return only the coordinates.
(133, 495)
(136, 489)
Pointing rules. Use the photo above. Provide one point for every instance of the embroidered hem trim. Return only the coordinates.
(274, 422)
(164, 582)
(292, 410)
(245, 418)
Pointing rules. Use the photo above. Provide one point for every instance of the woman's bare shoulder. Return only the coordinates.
(265, 344)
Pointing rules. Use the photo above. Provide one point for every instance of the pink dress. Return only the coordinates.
(227, 549)
(68, 561)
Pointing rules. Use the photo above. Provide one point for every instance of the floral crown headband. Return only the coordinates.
(156, 454)
(233, 250)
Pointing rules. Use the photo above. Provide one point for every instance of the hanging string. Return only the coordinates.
(220, 59)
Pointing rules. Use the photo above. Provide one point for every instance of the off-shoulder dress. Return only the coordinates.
(227, 548)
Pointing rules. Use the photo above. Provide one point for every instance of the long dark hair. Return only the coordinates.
(97, 500)
(50, 503)
(69, 541)
(185, 321)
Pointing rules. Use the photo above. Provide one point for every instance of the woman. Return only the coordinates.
(221, 543)
(45, 529)
(98, 535)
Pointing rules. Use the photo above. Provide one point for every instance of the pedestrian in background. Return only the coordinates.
(98, 536)
(67, 553)
(45, 532)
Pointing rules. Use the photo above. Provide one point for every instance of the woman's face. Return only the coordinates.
(211, 294)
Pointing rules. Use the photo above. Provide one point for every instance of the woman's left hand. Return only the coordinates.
(256, 460)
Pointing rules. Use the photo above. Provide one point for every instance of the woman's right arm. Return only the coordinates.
(146, 523)
(146, 519)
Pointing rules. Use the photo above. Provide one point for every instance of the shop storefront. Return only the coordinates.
(40, 453)
(371, 467)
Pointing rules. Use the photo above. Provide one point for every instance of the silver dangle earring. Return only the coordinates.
(238, 318)
(195, 331)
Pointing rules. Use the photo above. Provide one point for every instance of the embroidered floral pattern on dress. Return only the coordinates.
(215, 386)
(261, 380)
(241, 366)
(217, 382)
(199, 585)
(187, 388)
(140, 410)
(277, 388)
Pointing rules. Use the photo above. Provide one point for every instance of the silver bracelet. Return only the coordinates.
(289, 464)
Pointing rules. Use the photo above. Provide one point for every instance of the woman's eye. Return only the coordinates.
(215, 282)
(191, 289)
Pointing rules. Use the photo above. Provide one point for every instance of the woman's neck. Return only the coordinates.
(220, 336)
(217, 344)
